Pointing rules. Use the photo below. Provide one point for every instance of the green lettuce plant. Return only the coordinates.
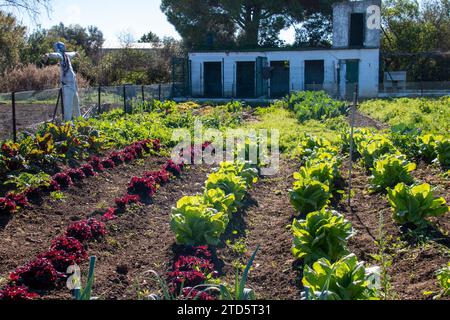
(230, 183)
(389, 171)
(217, 199)
(347, 279)
(413, 205)
(324, 234)
(443, 151)
(195, 223)
(309, 195)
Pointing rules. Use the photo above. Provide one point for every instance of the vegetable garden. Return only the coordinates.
(107, 187)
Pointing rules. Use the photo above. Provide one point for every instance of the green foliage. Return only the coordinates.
(85, 294)
(11, 41)
(429, 115)
(346, 279)
(195, 223)
(309, 195)
(443, 152)
(316, 106)
(443, 276)
(413, 205)
(324, 234)
(217, 199)
(389, 171)
(230, 183)
(372, 149)
(27, 181)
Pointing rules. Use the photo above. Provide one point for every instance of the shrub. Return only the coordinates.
(390, 171)
(37, 274)
(346, 279)
(309, 196)
(415, 204)
(323, 234)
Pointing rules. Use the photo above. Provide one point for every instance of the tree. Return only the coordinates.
(245, 23)
(12, 37)
(30, 7)
(417, 38)
(150, 37)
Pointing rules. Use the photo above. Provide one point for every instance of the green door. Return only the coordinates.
(262, 82)
(352, 76)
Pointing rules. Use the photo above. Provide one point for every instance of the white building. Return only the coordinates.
(353, 59)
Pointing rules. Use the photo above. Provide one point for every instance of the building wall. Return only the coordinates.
(368, 71)
(341, 23)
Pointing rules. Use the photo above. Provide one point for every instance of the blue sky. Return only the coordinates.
(113, 17)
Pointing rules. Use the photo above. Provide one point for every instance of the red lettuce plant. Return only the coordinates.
(63, 180)
(160, 177)
(122, 203)
(88, 170)
(37, 274)
(108, 164)
(96, 163)
(86, 230)
(16, 294)
(174, 168)
(117, 158)
(7, 206)
(143, 187)
(76, 174)
(109, 215)
(61, 260)
(19, 199)
(69, 245)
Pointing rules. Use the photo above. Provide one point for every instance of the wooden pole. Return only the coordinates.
(352, 132)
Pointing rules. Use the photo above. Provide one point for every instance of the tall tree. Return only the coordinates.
(30, 7)
(416, 38)
(12, 37)
(247, 23)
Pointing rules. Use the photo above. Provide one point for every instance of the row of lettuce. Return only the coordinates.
(50, 270)
(320, 239)
(55, 151)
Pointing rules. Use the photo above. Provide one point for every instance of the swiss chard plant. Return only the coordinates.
(324, 234)
(389, 171)
(347, 279)
(413, 205)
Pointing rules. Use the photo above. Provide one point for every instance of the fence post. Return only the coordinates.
(14, 124)
(62, 102)
(99, 109)
(124, 99)
(352, 132)
(159, 92)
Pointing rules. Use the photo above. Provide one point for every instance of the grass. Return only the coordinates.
(291, 131)
(430, 115)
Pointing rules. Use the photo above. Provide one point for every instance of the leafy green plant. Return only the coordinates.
(443, 151)
(86, 292)
(427, 145)
(443, 276)
(322, 172)
(230, 183)
(389, 171)
(309, 195)
(413, 205)
(26, 181)
(347, 279)
(217, 199)
(195, 223)
(324, 234)
(374, 149)
(240, 292)
(243, 169)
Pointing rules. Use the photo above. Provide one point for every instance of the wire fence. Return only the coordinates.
(26, 111)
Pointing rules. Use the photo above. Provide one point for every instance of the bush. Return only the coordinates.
(30, 77)
(413, 205)
(323, 234)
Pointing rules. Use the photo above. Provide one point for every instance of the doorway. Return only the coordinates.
(279, 79)
(245, 79)
(213, 79)
(351, 76)
(314, 75)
